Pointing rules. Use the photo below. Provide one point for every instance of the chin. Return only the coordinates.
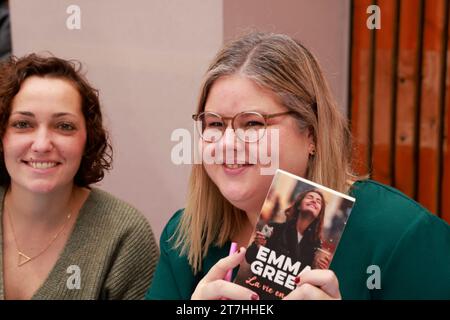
(42, 187)
(233, 195)
(246, 201)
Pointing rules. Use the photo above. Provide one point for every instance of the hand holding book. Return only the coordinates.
(214, 287)
(316, 285)
(299, 228)
(284, 248)
(260, 239)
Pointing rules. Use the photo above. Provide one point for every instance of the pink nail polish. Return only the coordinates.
(255, 297)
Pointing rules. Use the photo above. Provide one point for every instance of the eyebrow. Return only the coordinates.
(319, 197)
(251, 108)
(56, 115)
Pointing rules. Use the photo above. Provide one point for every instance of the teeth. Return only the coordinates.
(234, 166)
(42, 165)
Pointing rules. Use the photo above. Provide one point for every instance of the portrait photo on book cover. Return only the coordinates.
(299, 228)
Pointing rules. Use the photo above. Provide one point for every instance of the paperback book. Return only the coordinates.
(299, 228)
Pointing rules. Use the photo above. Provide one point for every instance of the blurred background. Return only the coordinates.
(147, 58)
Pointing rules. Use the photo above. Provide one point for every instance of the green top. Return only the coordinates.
(113, 246)
(385, 228)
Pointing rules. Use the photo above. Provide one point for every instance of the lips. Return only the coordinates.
(235, 169)
(235, 166)
(42, 165)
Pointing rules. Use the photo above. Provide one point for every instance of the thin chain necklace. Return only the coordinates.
(22, 257)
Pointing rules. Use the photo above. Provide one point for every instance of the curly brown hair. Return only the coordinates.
(97, 156)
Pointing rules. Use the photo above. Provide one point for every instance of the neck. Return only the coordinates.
(246, 230)
(252, 217)
(303, 223)
(39, 209)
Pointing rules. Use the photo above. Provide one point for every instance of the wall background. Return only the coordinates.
(147, 59)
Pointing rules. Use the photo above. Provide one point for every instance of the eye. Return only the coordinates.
(66, 126)
(254, 124)
(21, 124)
(214, 124)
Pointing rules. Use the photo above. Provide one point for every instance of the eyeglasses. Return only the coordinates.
(249, 126)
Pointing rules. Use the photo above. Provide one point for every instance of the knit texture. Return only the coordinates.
(113, 247)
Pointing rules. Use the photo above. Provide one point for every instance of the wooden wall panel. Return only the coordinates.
(432, 64)
(361, 58)
(445, 179)
(400, 98)
(384, 92)
(407, 97)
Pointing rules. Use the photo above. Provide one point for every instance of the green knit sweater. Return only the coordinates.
(113, 248)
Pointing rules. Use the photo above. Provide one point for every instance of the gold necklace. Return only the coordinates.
(22, 257)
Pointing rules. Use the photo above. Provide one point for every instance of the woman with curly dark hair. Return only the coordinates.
(62, 239)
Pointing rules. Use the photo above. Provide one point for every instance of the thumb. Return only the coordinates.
(220, 269)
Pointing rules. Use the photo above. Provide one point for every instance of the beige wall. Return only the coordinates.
(147, 59)
(323, 26)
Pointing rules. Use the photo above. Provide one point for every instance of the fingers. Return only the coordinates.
(212, 286)
(259, 236)
(307, 292)
(324, 280)
(323, 263)
(223, 289)
(220, 269)
(260, 242)
(316, 285)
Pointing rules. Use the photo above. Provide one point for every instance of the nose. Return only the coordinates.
(233, 147)
(229, 137)
(42, 142)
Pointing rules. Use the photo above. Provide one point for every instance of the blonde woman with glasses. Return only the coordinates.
(263, 83)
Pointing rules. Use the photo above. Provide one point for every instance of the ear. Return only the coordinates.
(311, 142)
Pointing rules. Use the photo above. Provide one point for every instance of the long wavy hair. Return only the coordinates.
(316, 225)
(289, 70)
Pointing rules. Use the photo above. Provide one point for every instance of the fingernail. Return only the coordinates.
(297, 280)
(254, 297)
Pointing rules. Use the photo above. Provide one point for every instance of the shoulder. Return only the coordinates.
(106, 210)
(382, 212)
(277, 225)
(168, 233)
(388, 229)
(173, 222)
(380, 202)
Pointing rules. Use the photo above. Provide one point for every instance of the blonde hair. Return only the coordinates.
(288, 69)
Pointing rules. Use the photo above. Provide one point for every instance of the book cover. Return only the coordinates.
(299, 228)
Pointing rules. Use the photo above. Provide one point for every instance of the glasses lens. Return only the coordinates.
(250, 126)
(210, 126)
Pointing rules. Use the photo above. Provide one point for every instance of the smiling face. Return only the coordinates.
(311, 203)
(45, 136)
(244, 185)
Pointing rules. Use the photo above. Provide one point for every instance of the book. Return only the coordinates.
(299, 228)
